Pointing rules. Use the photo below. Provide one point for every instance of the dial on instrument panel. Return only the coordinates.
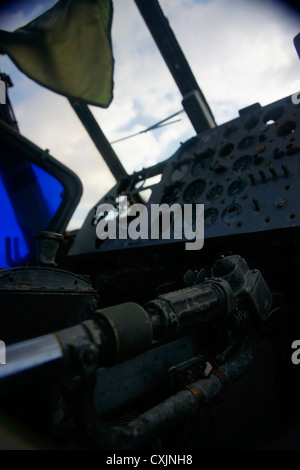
(226, 150)
(231, 213)
(286, 128)
(210, 216)
(172, 194)
(203, 161)
(215, 192)
(194, 191)
(251, 123)
(247, 142)
(237, 187)
(242, 163)
(188, 149)
(230, 131)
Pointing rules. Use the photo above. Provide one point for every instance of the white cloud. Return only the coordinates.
(238, 50)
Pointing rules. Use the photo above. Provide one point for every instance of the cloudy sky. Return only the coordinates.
(240, 51)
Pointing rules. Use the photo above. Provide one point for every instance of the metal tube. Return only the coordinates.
(74, 349)
(190, 307)
(173, 410)
(30, 355)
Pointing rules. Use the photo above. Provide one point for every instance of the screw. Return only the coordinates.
(263, 175)
(260, 148)
(280, 203)
(252, 178)
(285, 169)
(256, 204)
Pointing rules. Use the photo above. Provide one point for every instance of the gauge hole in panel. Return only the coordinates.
(242, 163)
(202, 162)
(188, 148)
(210, 217)
(172, 194)
(230, 131)
(272, 116)
(215, 193)
(226, 150)
(237, 187)
(251, 123)
(231, 213)
(286, 128)
(247, 142)
(194, 190)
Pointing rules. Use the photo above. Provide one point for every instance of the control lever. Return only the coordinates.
(114, 334)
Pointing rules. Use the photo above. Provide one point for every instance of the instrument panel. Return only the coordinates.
(245, 172)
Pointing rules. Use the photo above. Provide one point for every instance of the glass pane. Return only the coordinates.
(29, 197)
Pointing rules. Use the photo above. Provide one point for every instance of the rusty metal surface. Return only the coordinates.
(144, 374)
(179, 406)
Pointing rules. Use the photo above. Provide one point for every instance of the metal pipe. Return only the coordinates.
(30, 355)
(139, 432)
(76, 349)
(208, 302)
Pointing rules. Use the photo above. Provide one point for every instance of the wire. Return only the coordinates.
(151, 128)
